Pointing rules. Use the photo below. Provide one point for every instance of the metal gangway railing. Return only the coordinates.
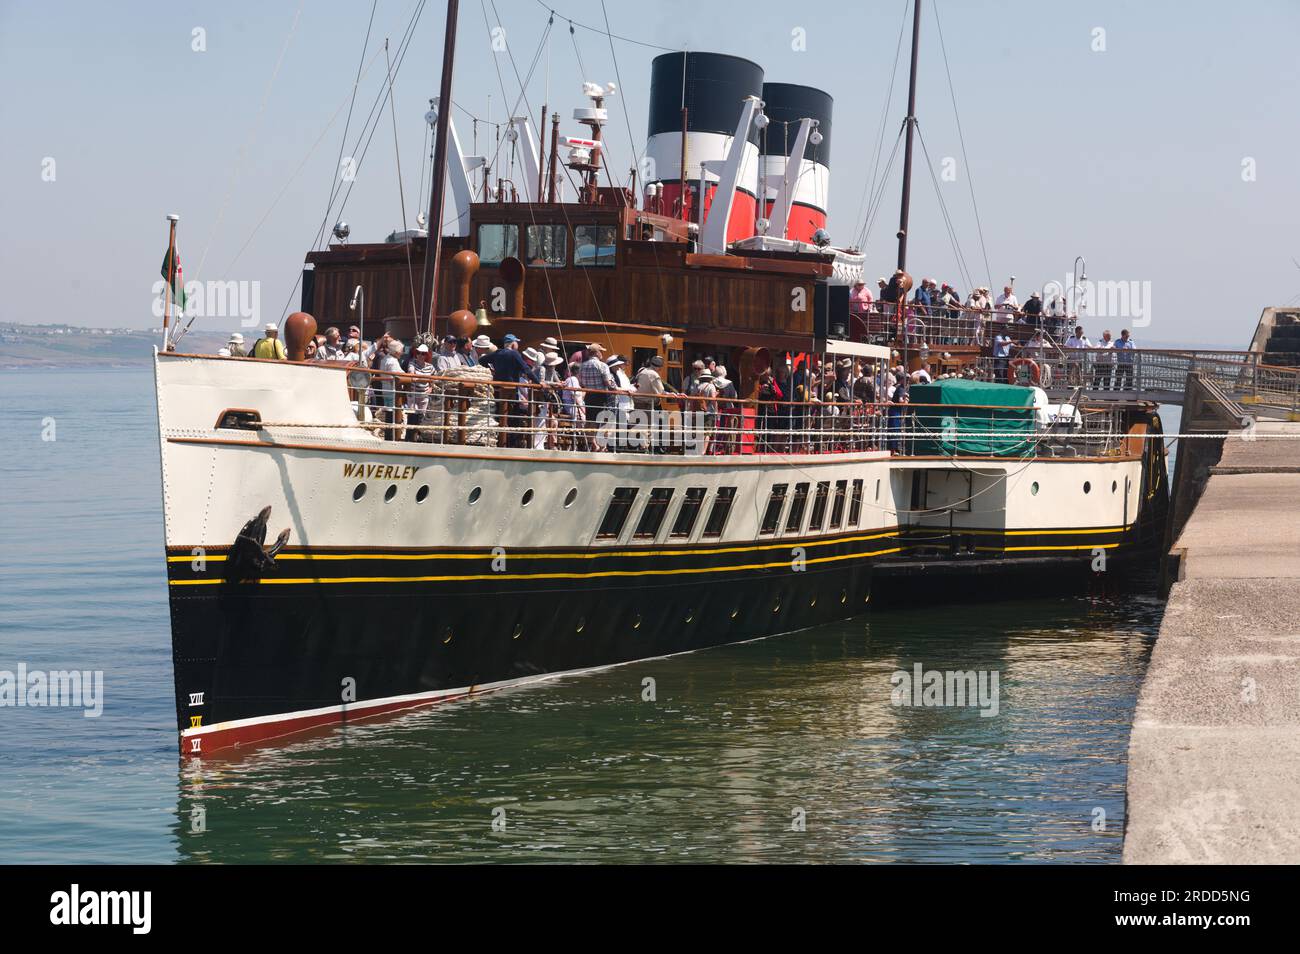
(1156, 374)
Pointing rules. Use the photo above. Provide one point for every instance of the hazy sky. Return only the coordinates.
(1172, 157)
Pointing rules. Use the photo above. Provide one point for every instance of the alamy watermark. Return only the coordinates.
(38, 688)
(216, 299)
(646, 431)
(1126, 302)
(936, 688)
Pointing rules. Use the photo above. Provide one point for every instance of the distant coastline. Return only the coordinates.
(68, 346)
(32, 347)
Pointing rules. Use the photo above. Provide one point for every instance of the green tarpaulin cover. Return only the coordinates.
(992, 427)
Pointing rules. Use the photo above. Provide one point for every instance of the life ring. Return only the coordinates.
(1035, 372)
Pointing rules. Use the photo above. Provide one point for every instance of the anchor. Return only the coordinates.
(249, 557)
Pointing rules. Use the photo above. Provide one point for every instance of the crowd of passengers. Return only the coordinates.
(802, 403)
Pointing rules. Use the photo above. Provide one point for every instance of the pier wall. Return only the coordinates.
(1214, 757)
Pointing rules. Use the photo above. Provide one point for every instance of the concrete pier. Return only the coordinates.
(1214, 758)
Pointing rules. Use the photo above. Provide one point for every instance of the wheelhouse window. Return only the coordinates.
(620, 505)
(837, 508)
(721, 510)
(855, 505)
(497, 242)
(819, 506)
(772, 516)
(794, 522)
(548, 246)
(594, 245)
(688, 513)
(652, 517)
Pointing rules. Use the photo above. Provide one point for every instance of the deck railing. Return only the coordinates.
(469, 408)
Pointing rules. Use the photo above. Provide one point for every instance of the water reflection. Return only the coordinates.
(743, 747)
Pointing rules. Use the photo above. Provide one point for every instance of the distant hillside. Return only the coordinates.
(62, 346)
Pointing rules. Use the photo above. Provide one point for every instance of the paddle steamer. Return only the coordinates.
(419, 571)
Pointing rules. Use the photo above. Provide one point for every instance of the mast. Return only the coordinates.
(433, 245)
(911, 128)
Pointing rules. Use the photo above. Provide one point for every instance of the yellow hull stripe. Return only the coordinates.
(548, 576)
(598, 554)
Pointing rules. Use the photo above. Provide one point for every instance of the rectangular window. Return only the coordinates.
(652, 517)
(497, 242)
(616, 514)
(794, 522)
(775, 504)
(594, 245)
(855, 507)
(548, 246)
(721, 510)
(688, 512)
(819, 506)
(837, 508)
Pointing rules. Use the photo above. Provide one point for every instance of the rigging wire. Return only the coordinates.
(627, 119)
(869, 188)
(252, 136)
(877, 202)
(970, 180)
(401, 56)
(401, 191)
(943, 209)
(375, 107)
(625, 39)
(347, 126)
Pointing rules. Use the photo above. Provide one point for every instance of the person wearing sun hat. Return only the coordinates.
(270, 345)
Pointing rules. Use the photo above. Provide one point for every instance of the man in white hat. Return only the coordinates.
(270, 345)
(236, 346)
(482, 345)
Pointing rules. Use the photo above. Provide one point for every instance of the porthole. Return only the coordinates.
(359, 491)
(1114, 486)
(570, 497)
(519, 631)
(690, 616)
(844, 596)
(777, 605)
(446, 636)
(422, 494)
(1087, 486)
(636, 623)
(812, 602)
(582, 624)
(735, 612)
(474, 495)
(527, 498)
(1033, 488)
(390, 493)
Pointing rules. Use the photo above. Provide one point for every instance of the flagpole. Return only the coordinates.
(172, 219)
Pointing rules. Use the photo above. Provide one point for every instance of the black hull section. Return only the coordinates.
(258, 650)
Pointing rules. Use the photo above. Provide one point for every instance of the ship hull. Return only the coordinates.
(416, 574)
